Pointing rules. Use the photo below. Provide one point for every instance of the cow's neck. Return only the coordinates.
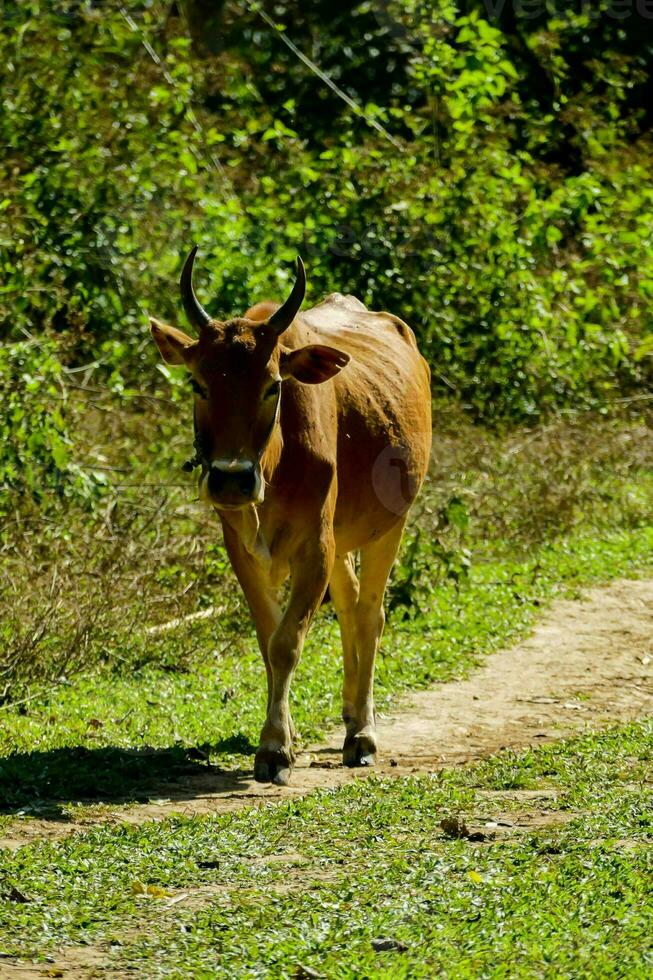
(247, 525)
(272, 454)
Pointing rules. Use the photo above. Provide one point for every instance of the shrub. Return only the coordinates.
(511, 230)
(36, 446)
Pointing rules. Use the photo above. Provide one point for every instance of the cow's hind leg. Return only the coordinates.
(343, 588)
(375, 565)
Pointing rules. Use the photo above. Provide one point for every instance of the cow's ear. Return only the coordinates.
(313, 364)
(174, 345)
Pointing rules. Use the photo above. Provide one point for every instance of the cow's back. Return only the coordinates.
(384, 414)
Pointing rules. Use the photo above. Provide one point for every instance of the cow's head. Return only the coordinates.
(237, 368)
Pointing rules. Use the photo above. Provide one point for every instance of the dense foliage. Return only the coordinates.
(493, 188)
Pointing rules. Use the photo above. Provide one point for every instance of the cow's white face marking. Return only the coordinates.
(232, 466)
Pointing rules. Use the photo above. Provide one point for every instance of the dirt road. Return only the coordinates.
(589, 663)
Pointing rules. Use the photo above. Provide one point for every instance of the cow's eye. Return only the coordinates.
(273, 389)
(197, 388)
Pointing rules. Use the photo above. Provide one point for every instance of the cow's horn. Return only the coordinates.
(285, 315)
(195, 312)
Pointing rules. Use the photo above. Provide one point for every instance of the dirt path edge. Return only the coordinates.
(587, 664)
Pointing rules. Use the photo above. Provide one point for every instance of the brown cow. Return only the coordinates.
(307, 464)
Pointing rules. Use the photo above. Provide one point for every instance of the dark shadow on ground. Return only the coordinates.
(40, 783)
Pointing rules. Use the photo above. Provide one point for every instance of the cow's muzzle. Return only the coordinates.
(234, 483)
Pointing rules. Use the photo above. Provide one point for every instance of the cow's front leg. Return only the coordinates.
(261, 597)
(310, 572)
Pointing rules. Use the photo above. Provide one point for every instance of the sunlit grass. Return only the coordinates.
(319, 881)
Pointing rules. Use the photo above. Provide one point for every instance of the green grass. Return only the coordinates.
(80, 586)
(312, 883)
(81, 740)
(315, 881)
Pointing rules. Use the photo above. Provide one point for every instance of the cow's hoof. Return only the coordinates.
(359, 750)
(282, 776)
(272, 767)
